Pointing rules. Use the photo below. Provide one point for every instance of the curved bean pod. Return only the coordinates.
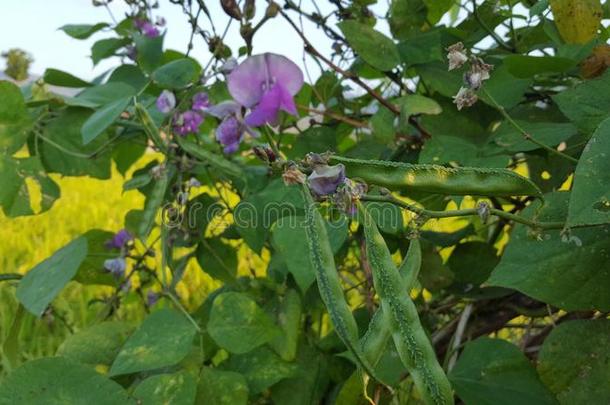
(323, 261)
(150, 127)
(411, 341)
(439, 179)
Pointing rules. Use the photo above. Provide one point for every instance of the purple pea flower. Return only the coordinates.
(119, 240)
(266, 83)
(232, 128)
(187, 122)
(147, 28)
(166, 101)
(116, 266)
(201, 101)
(151, 298)
(325, 179)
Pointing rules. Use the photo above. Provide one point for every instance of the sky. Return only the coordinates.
(33, 26)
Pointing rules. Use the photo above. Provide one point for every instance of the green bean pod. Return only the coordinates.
(375, 340)
(412, 344)
(323, 261)
(216, 161)
(439, 179)
(154, 201)
(150, 127)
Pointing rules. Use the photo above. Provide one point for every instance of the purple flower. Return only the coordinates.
(266, 83)
(201, 101)
(152, 298)
(147, 28)
(166, 101)
(325, 179)
(119, 240)
(231, 130)
(116, 266)
(188, 122)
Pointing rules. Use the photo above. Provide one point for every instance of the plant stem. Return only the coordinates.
(525, 134)
(468, 212)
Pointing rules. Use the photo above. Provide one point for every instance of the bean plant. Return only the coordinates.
(418, 211)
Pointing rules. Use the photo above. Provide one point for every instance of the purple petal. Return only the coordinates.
(120, 239)
(285, 72)
(230, 133)
(201, 101)
(116, 266)
(246, 81)
(324, 179)
(166, 101)
(223, 109)
(149, 30)
(268, 108)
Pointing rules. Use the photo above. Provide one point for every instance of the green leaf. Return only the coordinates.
(44, 281)
(165, 389)
(587, 104)
(262, 368)
(549, 133)
(314, 139)
(407, 17)
(65, 79)
(101, 95)
(217, 161)
(577, 21)
(65, 131)
(472, 262)
(149, 51)
(98, 344)
(163, 339)
(505, 88)
(421, 48)
(105, 48)
(590, 198)
(289, 312)
(415, 104)
(574, 360)
(288, 238)
(217, 259)
(56, 380)
(154, 201)
(238, 325)
(82, 31)
(525, 66)
(91, 270)
(177, 74)
(15, 121)
(219, 387)
(102, 119)
(495, 372)
(570, 271)
(375, 48)
(382, 124)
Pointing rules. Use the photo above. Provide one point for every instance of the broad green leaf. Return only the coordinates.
(495, 372)
(314, 139)
(102, 119)
(539, 7)
(154, 201)
(238, 324)
(421, 48)
(407, 17)
(549, 133)
(103, 94)
(44, 281)
(375, 48)
(577, 20)
(574, 360)
(218, 259)
(442, 149)
(82, 31)
(65, 131)
(382, 124)
(65, 79)
(437, 8)
(91, 270)
(288, 238)
(525, 66)
(262, 368)
(415, 104)
(15, 121)
(163, 339)
(165, 389)
(177, 74)
(105, 48)
(590, 198)
(149, 51)
(126, 154)
(571, 271)
(587, 104)
(505, 88)
(289, 312)
(130, 75)
(218, 387)
(55, 381)
(472, 262)
(98, 344)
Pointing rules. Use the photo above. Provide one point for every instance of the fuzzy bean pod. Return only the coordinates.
(216, 161)
(323, 261)
(439, 179)
(154, 201)
(150, 127)
(412, 343)
(375, 340)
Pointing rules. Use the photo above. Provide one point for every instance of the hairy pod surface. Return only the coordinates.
(412, 344)
(150, 127)
(439, 179)
(154, 202)
(218, 162)
(323, 262)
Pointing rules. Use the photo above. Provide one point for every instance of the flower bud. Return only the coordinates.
(272, 9)
(325, 179)
(293, 175)
(265, 153)
(231, 8)
(166, 101)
